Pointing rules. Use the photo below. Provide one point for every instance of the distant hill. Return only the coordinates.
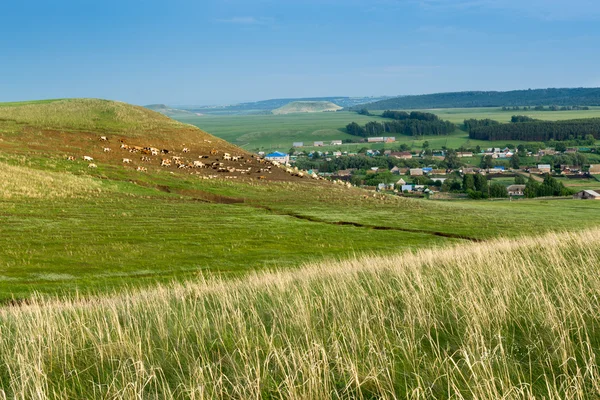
(169, 111)
(266, 106)
(307, 107)
(559, 97)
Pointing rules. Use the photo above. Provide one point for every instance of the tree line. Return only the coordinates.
(414, 124)
(539, 131)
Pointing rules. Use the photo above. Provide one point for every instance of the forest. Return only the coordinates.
(576, 97)
(414, 124)
(540, 131)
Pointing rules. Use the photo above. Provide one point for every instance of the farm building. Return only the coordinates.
(516, 190)
(595, 169)
(378, 139)
(298, 144)
(402, 155)
(318, 144)
(544, 168)
(279, 157)
(416, 171)
(336, 142)
(587, 195)
(461, 154)
(407, 188)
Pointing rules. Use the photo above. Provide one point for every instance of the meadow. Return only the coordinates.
(506, 319)
(65, 228)
(278, 132)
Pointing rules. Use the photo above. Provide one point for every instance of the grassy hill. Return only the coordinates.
(306, 107)
(559, 97)
(169, 111)
(504, 319)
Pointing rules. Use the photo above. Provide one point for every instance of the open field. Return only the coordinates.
(504, 319)
(278, 132)
(65, 227)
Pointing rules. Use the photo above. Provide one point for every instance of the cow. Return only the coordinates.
(92, 165)
(87, 158)
(126, 161)
(198, 164)
(124, 146)
(142, 169)
(154, 152)
(146, 159)
(103, 138)
(106, 149)
(165, 162)
(226, 156)
(70, 158)
(186, 150)
(164, 151)
(214, 151)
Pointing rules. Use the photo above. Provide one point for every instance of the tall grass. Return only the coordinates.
(501, 320)
(22, 182)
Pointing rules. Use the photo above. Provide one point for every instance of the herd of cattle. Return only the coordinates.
(237, 164)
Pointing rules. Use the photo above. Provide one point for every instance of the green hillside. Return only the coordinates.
(559, 97)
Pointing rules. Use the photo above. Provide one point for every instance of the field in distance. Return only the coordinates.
(279, 132)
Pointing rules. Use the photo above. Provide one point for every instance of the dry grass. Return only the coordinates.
(499, 320)
(23, 182)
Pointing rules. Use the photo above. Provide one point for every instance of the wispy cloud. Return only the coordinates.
(246, 20)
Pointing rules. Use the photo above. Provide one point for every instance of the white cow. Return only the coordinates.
(126, 161)
(92, 166)
(87, 158)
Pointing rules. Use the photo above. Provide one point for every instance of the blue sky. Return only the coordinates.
(224, 51)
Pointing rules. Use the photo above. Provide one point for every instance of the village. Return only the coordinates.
(440, 173)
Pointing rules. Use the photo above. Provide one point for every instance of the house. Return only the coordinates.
(378, 139)
(498, 169)
(416, 171)
(407, 188)
(427, 170)
(318, 144)
(401, 182)
(387, 152)
(298, 144)
(439, 172)
(402, 155)
(390, 139)
(595, 169)
(337, 153)
(545, 168)
(385, 186)
(395, 170)
(546, 152)
(441, 180)
(345, 172)
(279, 157)
(336, 142)
(516, 190)
(462, 154)
(571, 150)
(587, 195)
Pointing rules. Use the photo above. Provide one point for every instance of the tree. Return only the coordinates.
(426, 144)
(560, 147)
(531, 188)
(481, 183)
(468, 182)
(498, 190)
(519, 180)
(487, 162)
(452, 160)
(515, 161)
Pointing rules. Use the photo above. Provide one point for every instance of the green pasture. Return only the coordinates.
(278, 132)
(133, 234)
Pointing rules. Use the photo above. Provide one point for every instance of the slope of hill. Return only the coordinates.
(266, 106)
(438, 324)
(559, 97)
(170, 111)
(306, 107)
